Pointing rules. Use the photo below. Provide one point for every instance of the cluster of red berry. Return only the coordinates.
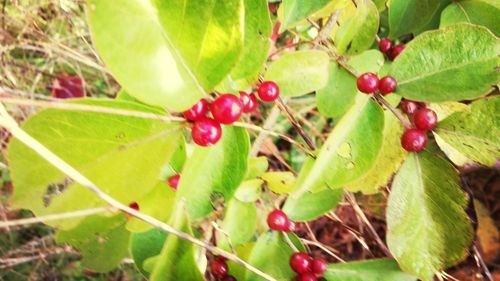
(225, 109)
(278, 220)
(423, 119)
(387, 47)
(307, 268)
(369, 83)
(220, 270)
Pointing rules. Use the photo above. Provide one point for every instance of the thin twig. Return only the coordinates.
(284, 108)
(9, 123)
(483, 265)
(394, 111)
(325, 249)
(324, 33)
(68, 215)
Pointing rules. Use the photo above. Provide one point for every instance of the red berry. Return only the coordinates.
(387, 85)
(249, 102)
(268, 91)
(67, 86)
(219, 268)
(319, 266)
(409, 107)
(206, 132)
(368, 83)
(229, 278)
(396, 50)
(290, 226)
(414, 140)
(308, 276)
(173, 181)
(301, 262)
(425, 119)
(226, 108)
(198, 111)
(385, 45)
(277, 220)
(134, 205)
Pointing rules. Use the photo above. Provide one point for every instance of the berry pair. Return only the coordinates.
(220, 270)
(424, 119)
(387, 47)
(369, 83)
(307, 268)
(278, 220)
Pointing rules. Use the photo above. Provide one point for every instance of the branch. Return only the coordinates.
(9, 123)
(396, 113)
(284, 108)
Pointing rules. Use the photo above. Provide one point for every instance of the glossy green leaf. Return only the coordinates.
(293, 11)
(428, 229)
(475, 132)
(159, 203)
(177, 258)
(279, 182)
(256, 44)
(351, 148)
(357, 32)
(214, 171)
(388, 162)
(300, 72)
(407, 16)
(102, 241)
(271, 254)
(123, 155)
(249, 190)
(145, 245)
(456, 63)
(480, 12)
(150, 67)
(239, 225)
(370, 270)
(256, 167)
(340, 91)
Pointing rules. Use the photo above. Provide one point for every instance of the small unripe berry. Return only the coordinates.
(219, 268)
(173, 181)
(249, 102)
(226, 108)
(198, 111)
(206, 132)
(396, 51)
(308, 276)
(301, 262)
(425, 119)
(319, 266)
(414, 140)
(385, 45)
(368, 83)
(387, 85)
(277, 220)
(268, 91)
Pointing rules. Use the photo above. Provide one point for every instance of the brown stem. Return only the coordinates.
(284, 108)
(396, 113)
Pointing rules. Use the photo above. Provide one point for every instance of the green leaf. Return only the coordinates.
(159, 203)
(279, 182)
(239, 225)
(428, 229)
(256, 45)
(300, 72)
(249, 190)
(480, 12)
(407, 16)
(357, 32)
(102, 241)
(177, 258)
(388, 162)
(271, 254)
(243, 252)
(134, 25)
(214, 171)
(123, 155)
(340, 91)
(456, 63)
(370, 270)
(474, 132)
(256, 167)
(293, 11)
(145, 245)
(351, 148)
